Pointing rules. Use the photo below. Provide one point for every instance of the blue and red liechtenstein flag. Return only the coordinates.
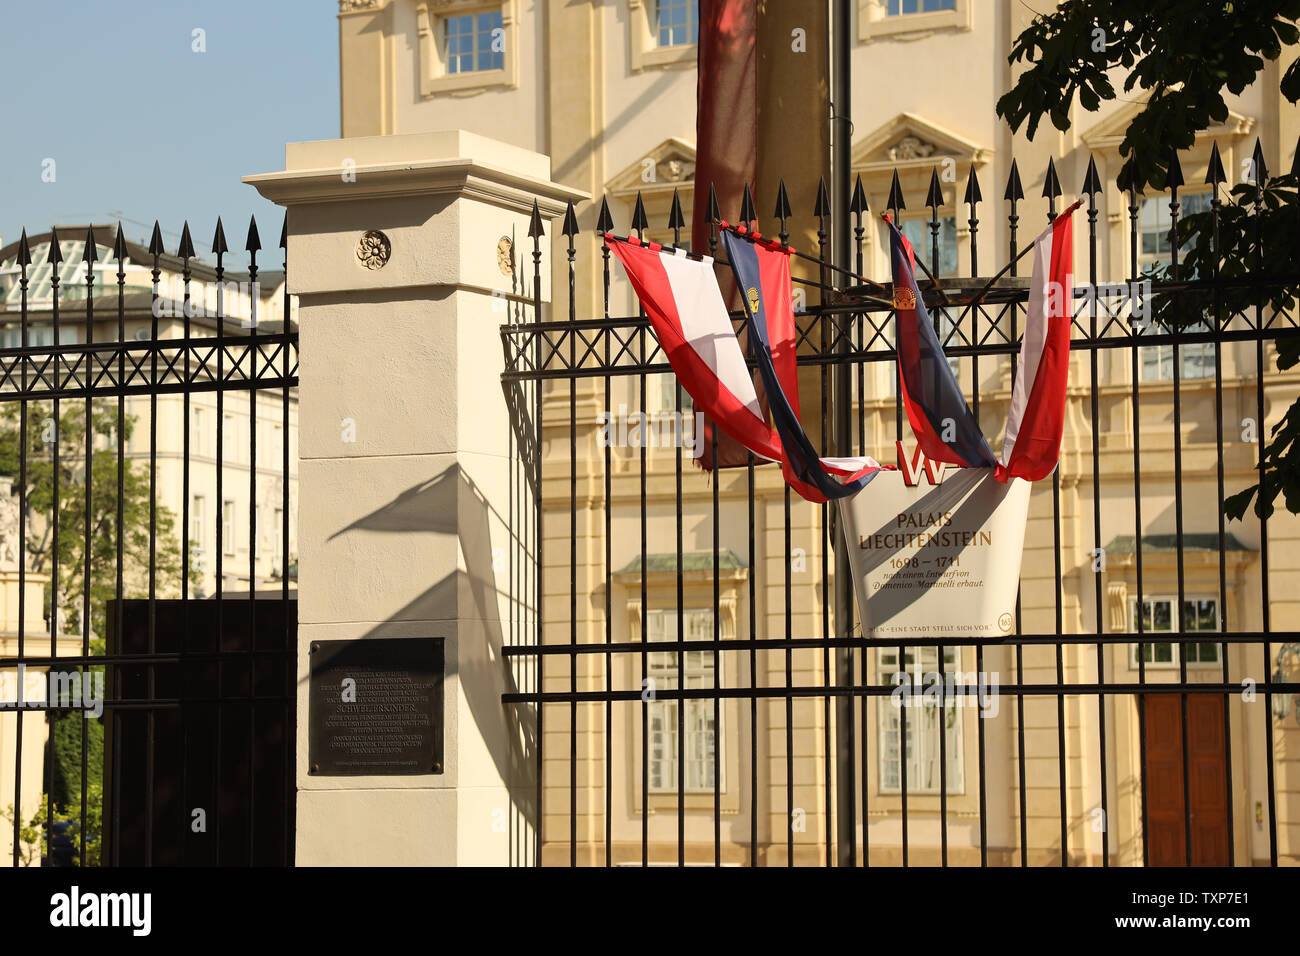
(943, 423)
(762, 273)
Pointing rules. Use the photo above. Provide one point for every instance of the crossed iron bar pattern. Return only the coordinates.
(151, 367)
(968, 323)
(627, 346)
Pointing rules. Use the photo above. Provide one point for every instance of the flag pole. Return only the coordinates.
(841, 133)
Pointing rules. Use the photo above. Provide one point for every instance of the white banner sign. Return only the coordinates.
(936, 551)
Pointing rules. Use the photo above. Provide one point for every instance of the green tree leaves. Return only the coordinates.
(1180, 57)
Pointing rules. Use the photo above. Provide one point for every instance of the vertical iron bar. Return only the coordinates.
(155, 251)
(24, 260)
(219, 520)
(1013, 194)
(753, 667)
(535, 232)
(1180, 618)
(184, 252)
(253, 355)
(789, 697)
(119, 253)
(717, 627)
(825, 534)
(1260, 175)
(1091, 186)
(679, 430)
(609, 551)
(91, 254)
(638, 225)
(289, 635)
(1135, 374)
(1219, 326)
(841, 134)
(858, 206)
(573, 547)
(51, 716)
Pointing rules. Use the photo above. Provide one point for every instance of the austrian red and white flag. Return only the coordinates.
(1036, 418)
(684, 305)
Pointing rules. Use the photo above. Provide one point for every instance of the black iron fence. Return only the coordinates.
(147, 413)
(681, 660)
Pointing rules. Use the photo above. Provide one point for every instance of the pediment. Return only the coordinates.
(669, 166)
(909, 141)
(1108, 133)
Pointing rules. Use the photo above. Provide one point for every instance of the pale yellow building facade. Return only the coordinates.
(608, 91)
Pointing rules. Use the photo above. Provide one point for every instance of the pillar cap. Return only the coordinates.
(444, 162)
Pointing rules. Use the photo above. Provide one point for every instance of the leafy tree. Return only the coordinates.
(33, 841)
(1182, 55)
(72, 543)
(67, 727)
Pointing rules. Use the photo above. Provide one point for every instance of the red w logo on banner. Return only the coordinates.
(912, 474)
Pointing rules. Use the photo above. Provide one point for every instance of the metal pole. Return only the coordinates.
(841, 132)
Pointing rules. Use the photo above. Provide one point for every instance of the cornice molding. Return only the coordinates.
(361, 6)
(467, 177)
(909, 141)
(1107, 134)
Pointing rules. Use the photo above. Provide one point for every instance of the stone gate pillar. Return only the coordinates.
(405, 253)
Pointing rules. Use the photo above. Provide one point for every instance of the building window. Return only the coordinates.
(664, 394)
(466, 46)
(701, 753)
(198, 430)
(1155, 250)
(1199, 614)
(474, 42)
(921, 742)
(229, 444)
(911, 19)
(228, 526)
(677, 22)
(198, 522)
(1195, 361)
(41, 335)
(899, 8)
(277, 543)
(918, 234)
(662, 33)
(1155, 225)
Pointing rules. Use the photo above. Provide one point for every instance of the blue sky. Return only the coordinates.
(141, 127)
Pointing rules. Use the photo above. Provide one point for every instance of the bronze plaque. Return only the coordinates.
(376, 706)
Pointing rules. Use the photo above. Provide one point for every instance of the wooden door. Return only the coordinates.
(1207, 787)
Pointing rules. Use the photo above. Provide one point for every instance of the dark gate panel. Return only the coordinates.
(199, 763)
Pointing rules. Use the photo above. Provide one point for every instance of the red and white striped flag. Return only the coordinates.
(683, 302)
(1036, 418)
